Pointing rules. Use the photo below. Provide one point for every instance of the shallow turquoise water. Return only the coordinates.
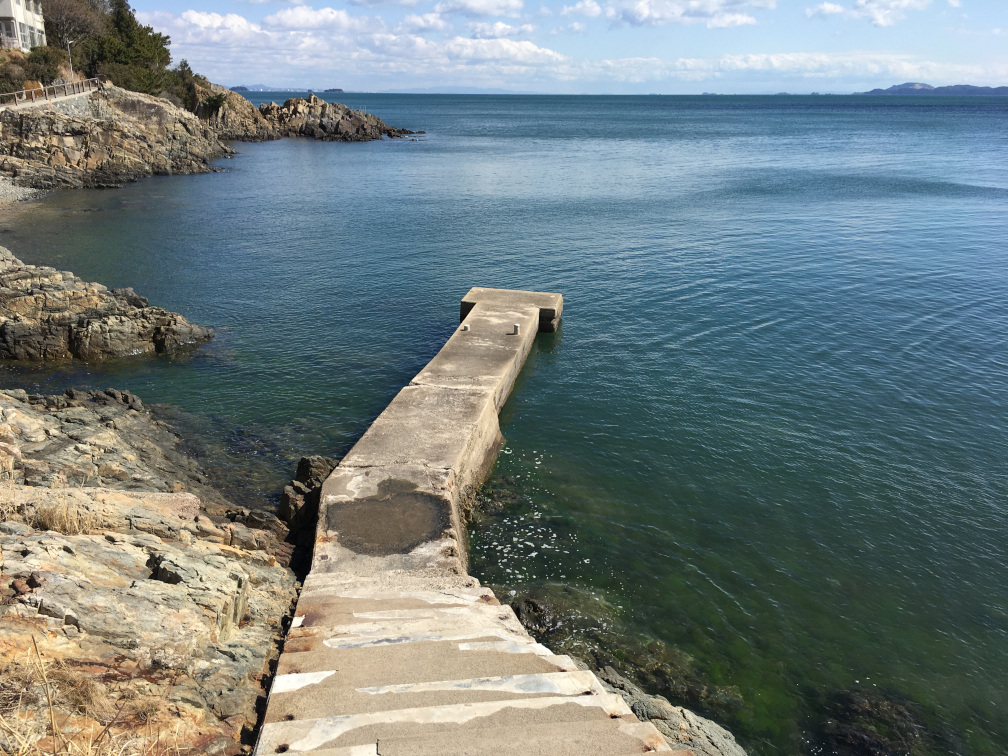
(772, 429)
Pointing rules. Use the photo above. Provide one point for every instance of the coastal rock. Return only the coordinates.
(112, 137)
(680, 727)
(106, 439)
(876, 722)
(332, 122)
(155, 612)
(234, 118)
(299, 501)
(46, 314)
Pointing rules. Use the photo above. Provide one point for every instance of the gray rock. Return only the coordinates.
(680, 727)
(109, 138)
(47, 314)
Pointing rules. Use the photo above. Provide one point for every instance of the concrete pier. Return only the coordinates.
(394, 648)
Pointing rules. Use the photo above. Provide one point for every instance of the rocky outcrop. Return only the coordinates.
(155, 613)
(328, 121)
(112, 137)
(97, 438)
(232, 116)
(680, 727)
(46, 314)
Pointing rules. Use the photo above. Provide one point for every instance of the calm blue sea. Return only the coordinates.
(770, 440)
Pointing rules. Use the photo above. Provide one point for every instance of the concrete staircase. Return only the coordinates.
(394, 649)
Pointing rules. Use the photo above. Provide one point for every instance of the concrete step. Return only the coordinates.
(314, 695)
(581, 739)
(307, 735)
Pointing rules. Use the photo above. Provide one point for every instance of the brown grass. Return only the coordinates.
(64, 517)
(23, 734)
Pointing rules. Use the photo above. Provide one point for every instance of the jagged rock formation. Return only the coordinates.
(235, 119)
(49, 314)
(107, 139)
(115, 136)
(156, 614)
(327, 121)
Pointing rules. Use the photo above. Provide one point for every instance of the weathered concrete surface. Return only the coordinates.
(394, 649)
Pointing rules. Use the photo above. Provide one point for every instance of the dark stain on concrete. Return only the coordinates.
(395, 520)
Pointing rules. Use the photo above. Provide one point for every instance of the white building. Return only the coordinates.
(21, 24)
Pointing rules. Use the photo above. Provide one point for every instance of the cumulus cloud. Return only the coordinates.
(481, 7)
(303, 17)
(715, 14)
(425, 22)
(500, 50)
(879, 12)
(498, 30)
(303, 46)
(588, 8)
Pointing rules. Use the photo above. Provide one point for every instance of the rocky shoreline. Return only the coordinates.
(153, 603)
(115, 136)
(46, 314)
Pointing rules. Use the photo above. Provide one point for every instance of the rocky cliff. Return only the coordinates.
(237, 119)
(327, 121)
(137, 616)
(51, 314)
(109, 138)
(115, 136)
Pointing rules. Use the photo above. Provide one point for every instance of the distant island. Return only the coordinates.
(265, 88)
(916, 88)
(334, 91)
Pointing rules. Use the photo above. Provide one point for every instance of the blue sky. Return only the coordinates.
(589, 46)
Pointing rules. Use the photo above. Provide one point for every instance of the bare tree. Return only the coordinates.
(72, 20)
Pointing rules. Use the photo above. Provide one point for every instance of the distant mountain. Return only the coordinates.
(265, 88)
(916, 88)
(458, 90)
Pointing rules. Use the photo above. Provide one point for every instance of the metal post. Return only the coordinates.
(71, 58)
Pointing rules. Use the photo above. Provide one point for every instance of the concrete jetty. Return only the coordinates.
(394, 649)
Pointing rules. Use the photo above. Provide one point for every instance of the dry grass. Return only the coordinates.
(8, 509)
(63, 516)
(22, 733)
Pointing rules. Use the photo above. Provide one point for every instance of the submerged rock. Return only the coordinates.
(46, 314)
(583, 626)
(679, 726)
(877, 723)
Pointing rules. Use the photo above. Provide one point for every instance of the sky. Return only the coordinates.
(588, 46)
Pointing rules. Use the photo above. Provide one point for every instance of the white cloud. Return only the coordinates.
(715, 14)
(498, 30)
(481, 7)
(879, 12)
(305, 18)
(730, 20)
(955, 3)
(825, 9)
(425, 22)
(588, 8)
(369, 53)
(507, 51)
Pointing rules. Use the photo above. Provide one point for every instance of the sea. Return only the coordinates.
(761, 469)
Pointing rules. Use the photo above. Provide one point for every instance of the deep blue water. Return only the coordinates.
(771, 433)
